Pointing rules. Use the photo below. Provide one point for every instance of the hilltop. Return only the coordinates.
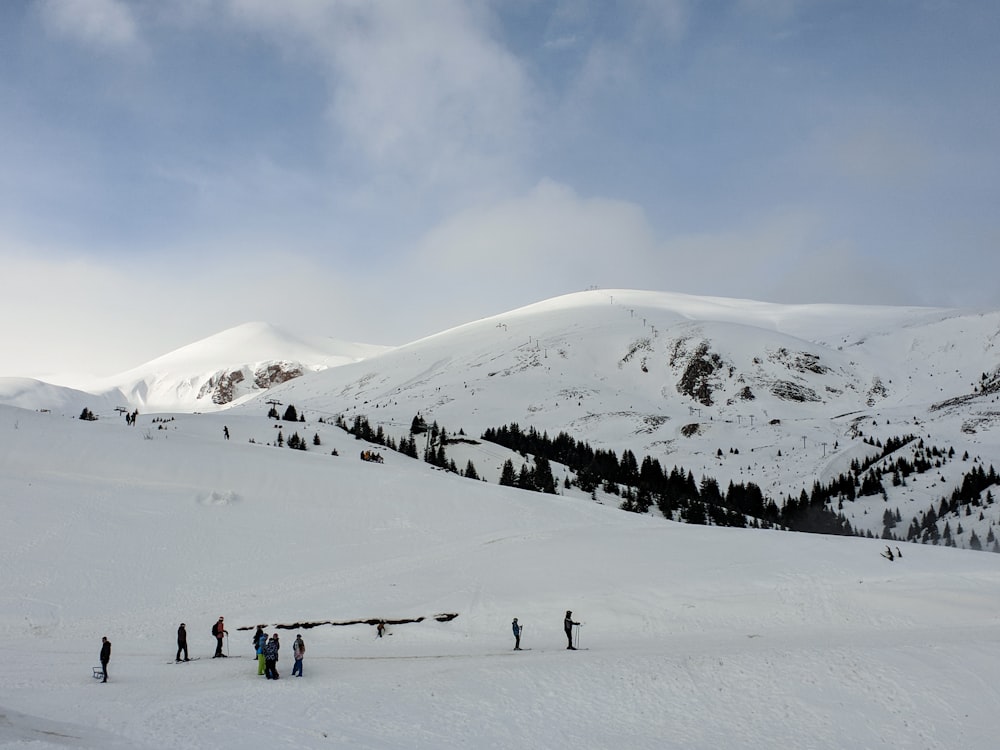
(795, 402)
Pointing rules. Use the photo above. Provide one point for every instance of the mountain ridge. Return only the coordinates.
(784, 397)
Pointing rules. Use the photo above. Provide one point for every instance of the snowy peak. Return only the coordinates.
(209, 374)
(592, 358)
(656, 355)
(254, 343)
(231, 366)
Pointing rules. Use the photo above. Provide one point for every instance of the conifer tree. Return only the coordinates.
(470, 470)
(974, 542)
(507, 476)
(543, 479)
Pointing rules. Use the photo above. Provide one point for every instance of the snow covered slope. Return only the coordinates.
(740, 391)
(631, 368)
(696, 637)
(208, 375)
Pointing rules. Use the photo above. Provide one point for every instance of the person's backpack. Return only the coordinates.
(215, 630)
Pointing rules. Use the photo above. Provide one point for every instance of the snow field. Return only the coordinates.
(697, 637)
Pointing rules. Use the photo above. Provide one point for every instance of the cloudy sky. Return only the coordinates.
(379, 171)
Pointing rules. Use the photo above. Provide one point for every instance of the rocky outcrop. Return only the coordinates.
(226, 386)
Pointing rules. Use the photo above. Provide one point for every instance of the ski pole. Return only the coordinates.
(227, 644)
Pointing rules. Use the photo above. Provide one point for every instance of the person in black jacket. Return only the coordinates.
(517, 634)
(182, 642)
(271, 658)
(568, 624)
(105, 656)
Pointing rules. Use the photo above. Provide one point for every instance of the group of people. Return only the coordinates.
(267, 647)
(219, 632)
(568, 623)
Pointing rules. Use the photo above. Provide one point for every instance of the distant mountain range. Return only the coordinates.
(787, 397)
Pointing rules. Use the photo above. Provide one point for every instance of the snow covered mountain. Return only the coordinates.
(629, 369)
(785, 397)
(208, 375)
(693, 636)
(788, 398)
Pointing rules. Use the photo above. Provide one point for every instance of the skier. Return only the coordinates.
(261, 642)
(271, 658)
(182, 643)
(568, 624)
(517, 634)
(105, 656)
(298, 651)
(381, 628)
(219, 631)
(225, 431)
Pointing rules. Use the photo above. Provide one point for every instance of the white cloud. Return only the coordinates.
(67, 312)
(548, 231)
(102, 24)
(422, 90)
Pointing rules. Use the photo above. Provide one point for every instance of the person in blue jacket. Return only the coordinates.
(261, 642)
(517, 634)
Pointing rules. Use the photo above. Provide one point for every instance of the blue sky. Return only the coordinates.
(378, 171)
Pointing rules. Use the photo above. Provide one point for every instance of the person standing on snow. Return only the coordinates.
(219, 631)
(182, 643)
(105, 656)
(517, 634)
(261, 642)
(255, 641)
(271, 658)
(298, 651)
(568, 624)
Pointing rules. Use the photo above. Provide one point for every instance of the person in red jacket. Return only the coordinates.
(219, 631)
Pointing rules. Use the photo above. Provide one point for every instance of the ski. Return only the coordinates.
(181, 661)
